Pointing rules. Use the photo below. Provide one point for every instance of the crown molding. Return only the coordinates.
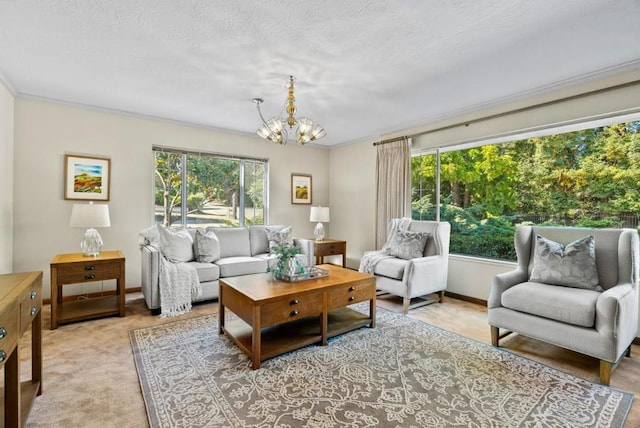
(4, 81)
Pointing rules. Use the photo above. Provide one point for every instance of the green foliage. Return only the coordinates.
(584, 178)
(195, 201)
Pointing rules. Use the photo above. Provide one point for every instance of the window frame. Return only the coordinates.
(242, 160)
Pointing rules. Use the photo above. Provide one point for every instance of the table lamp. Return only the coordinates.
(319, 214)
(90, 215)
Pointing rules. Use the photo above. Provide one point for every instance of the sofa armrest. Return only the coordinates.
(501, 283)
(306, 248)
(150, 265)
(617, 313)
(425, 275)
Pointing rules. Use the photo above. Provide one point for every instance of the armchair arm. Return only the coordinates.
(306, 248)
(502, 282)
(617, 312)
(150, 275)
(426, 275)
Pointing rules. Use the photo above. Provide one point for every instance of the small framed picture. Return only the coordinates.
(301, 189)
(86, 178)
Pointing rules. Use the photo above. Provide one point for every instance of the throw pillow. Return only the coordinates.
(150, 236)
(573, 265)
(408, 245)
(282, 237)
(176, 246)
(206, 246)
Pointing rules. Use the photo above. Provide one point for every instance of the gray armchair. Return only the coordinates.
(600, 321)
(418, 277)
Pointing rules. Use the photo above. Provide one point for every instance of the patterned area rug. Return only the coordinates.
(403, 373)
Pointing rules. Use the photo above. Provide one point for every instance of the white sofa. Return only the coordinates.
(243, 251)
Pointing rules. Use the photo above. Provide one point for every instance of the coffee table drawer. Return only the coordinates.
(349, 294)
(291, 309)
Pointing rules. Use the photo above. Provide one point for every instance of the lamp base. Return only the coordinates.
(318, 232)
(92, 243)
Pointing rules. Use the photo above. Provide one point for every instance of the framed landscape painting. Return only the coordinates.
(86, 178)
(301, 189)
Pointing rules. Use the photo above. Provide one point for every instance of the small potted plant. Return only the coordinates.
(287, 264)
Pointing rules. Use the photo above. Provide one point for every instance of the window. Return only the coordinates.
(585, 178)
(201, 189)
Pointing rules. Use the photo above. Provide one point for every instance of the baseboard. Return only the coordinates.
(90, 295)
(465, 298)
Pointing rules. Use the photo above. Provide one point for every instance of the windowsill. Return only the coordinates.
(482, 260)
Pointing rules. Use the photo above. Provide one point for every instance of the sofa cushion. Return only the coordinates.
(391, 268)
(568, 305)
(234, 241)
(573, 265)
(206, 246)
(280, 237)
(206, 271)
(259, 239)
(234, 266)
(408, 245)
(176, 246)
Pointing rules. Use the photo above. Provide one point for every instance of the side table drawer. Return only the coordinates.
(350, 294)
(9, 319)
(291, 309)
(84, 272)
(30, 305)
(329, 249)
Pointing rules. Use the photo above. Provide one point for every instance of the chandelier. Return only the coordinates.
(275, 129)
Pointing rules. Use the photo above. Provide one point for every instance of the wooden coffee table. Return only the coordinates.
(276, 317)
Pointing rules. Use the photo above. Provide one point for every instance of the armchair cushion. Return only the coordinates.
(567, 305)
(391, 268)
(573, 265)
(408, 245)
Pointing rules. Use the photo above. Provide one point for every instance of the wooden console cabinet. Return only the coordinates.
(20, 308)
(75, 268)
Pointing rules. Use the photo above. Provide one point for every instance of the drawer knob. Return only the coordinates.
(90, 276)
(295, 301)
(293, 313)
(352, 288)
(3, 332)
(33, 294)
(352, 298)
(3, 355)
(33, 311)
(90, 267)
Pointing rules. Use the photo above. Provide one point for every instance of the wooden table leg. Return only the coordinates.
(372, 310)
(255, 339)
(122, 289)
(220, 309)
(55, 296)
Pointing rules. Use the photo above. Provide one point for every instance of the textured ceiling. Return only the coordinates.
(364, 68)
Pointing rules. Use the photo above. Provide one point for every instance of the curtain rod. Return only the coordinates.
(390, 140)
(515, 111)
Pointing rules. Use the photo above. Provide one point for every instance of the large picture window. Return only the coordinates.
(200, 189)
(582, 178)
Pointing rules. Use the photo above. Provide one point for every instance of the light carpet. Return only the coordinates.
(403, 373)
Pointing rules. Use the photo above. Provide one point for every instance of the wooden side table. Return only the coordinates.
(75, 268)
(330, 247)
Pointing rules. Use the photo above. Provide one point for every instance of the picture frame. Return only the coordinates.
(87, 178)
(301, 191)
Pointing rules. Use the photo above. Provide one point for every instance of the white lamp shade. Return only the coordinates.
(319, 214)
(90, 215)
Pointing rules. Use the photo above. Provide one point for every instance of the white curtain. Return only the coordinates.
(393, 181)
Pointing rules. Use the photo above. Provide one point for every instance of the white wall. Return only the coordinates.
(45, 132)
(6, 179)
(353, 199)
